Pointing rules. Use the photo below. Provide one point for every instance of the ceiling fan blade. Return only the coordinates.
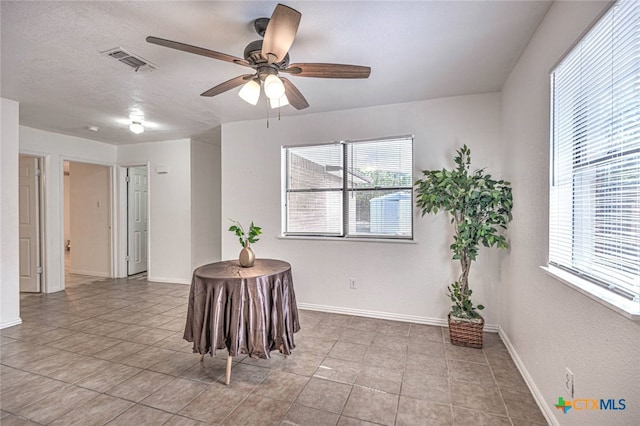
(328, 70)
(197, 50)
(280, 33)
(228, 85)
(293, 95)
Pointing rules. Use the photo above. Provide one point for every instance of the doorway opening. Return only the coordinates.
(137, 221)
(30, 223)
(87, 223)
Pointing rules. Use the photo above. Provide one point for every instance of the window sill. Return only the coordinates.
(619, 304)
(354, 239)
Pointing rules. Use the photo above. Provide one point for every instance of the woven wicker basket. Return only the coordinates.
(464, 332)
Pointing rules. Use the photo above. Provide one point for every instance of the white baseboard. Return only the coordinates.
(92, 273)
(440, 322)
(537, 395)
(11, 323)
(169, 280)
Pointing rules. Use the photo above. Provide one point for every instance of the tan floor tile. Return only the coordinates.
(281, 385)
(380, 378)
(301, 363)
(183, 421)
(257, 411)
(176, 363)
(57, 403)
(324, 395)
(246, 377)
(78, 370)
(96, 412)
(12, 377)
(420, 332)
(12, 420)
(107, 377)
(148, 357)
(371, 405)
(419, 412)
(394, 328)
(425, 347)
(120, 351)
(175, 395)
(348, 351)
(465, 354)
(141, 415)
(350, 421)
(299, 415)
(83, 343)
(32, 391)
(471, 372)
(338, 370)
(425, 387)
(353, 335)
(477, 397)
(208, 371)
(140, 386)
(464, 417)
(521, 405)
(418, 364)
(366, 324)
(115, 321)
(383, 357)
(202, 409)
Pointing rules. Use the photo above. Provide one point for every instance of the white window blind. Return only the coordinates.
(350, 189)
(594, 227)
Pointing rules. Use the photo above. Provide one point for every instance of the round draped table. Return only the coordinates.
(244, 310)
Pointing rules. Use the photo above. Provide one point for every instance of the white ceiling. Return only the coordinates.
(51, 61)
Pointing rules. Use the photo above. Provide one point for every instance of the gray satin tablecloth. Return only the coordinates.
(245, 310)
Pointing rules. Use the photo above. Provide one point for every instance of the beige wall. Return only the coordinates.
(394, 279)
(90, 219)
(9, 276)
(549, 325)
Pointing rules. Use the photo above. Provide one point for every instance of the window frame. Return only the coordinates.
(345, 190)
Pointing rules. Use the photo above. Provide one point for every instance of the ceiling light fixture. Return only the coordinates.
(279, 102)
(250, 91)
(136, 127)
(273, 87)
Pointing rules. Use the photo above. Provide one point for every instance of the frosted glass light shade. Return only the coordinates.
(136, 127)
(279, 102)
(273, 87)
(250, 92)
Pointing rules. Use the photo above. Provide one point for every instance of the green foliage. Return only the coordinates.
(245, 239)
(480, 209)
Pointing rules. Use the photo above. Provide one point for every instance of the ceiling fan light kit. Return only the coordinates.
(250, 92)
(268, 58)
(273, 87)
(136, 127)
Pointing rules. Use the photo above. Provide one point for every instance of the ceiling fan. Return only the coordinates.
(269, 57)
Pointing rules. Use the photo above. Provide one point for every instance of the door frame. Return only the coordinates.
(112, 213)
(121, 262)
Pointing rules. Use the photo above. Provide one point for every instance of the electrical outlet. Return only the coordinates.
(352, 283)
(568, 381)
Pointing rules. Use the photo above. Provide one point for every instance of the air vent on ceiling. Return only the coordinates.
(134, 61)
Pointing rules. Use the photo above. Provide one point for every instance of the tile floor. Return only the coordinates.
(111, 352)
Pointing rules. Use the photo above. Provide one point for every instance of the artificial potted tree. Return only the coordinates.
(480, 209)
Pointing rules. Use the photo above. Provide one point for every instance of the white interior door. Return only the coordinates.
(29, 224)
(137, 220)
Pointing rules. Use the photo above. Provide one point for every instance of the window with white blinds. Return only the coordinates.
(594, 227)
(349, 189)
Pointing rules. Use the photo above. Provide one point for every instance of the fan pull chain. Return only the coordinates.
(266, 104)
